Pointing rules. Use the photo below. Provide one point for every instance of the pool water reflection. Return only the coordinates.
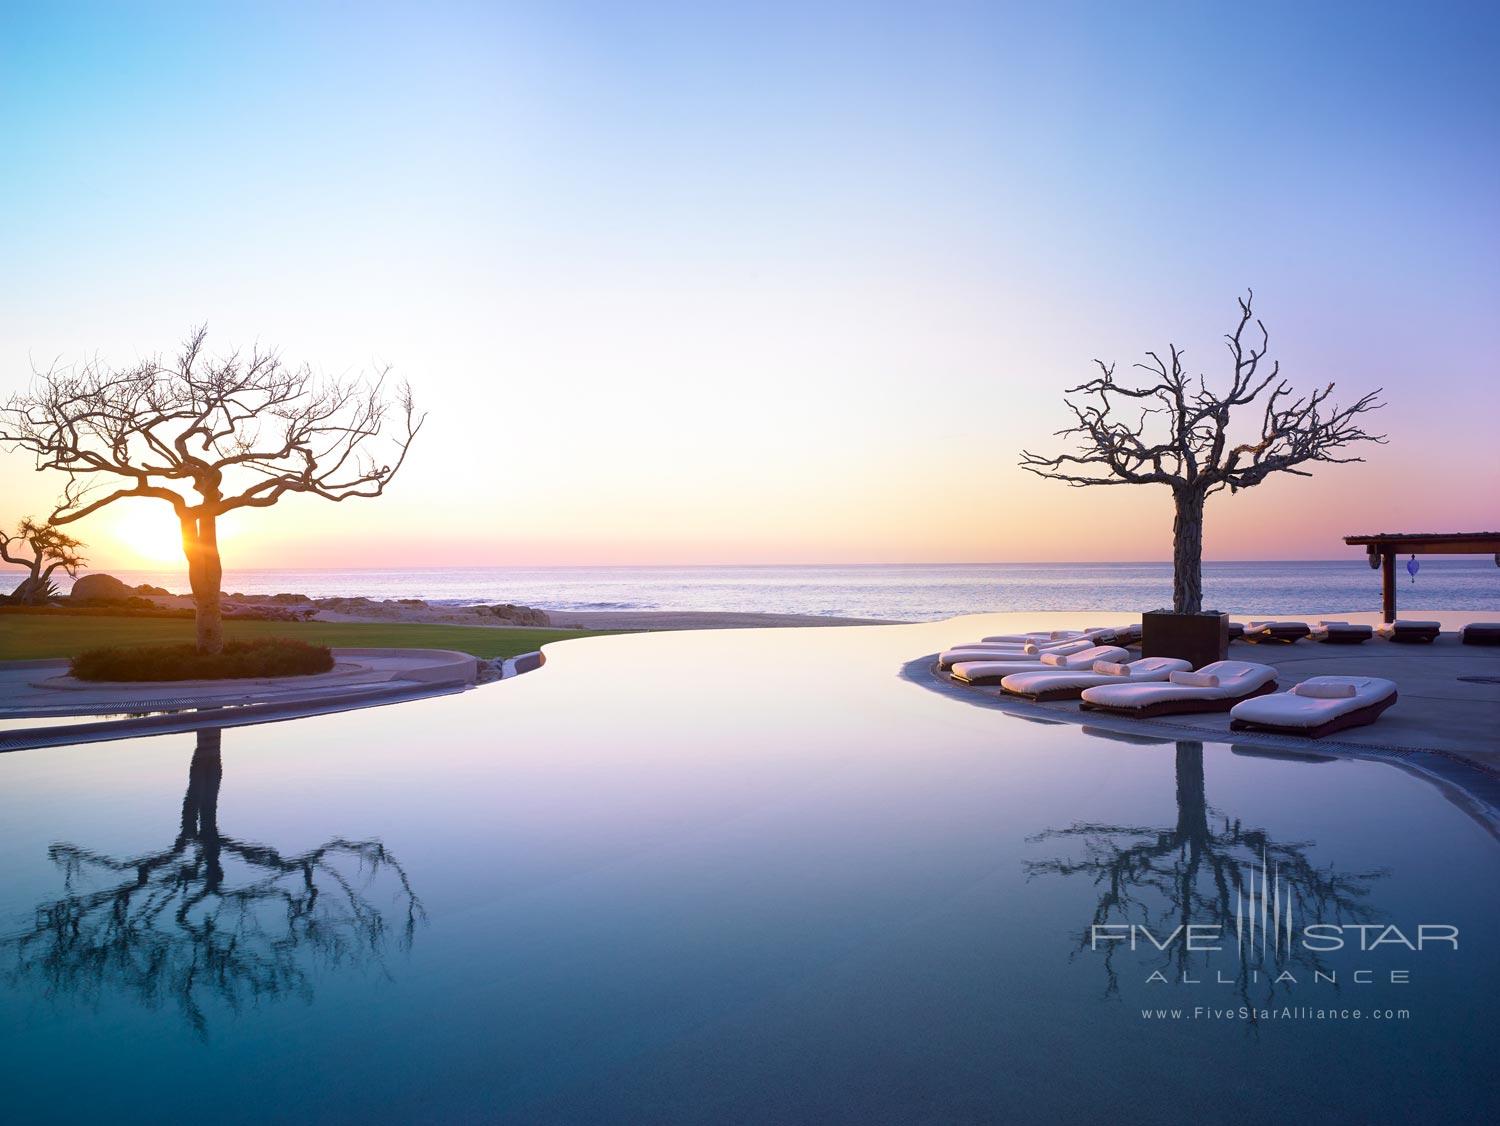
(747, 876)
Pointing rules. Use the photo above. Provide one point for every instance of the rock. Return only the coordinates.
(254, 613)
(344, 605)
(520, 615)
(100, 588)
(283, 599)
(411, 602)
(147, 588)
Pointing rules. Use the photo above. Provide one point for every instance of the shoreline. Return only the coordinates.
(412, 611)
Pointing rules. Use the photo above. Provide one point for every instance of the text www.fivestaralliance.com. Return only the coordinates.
(1285, 1012)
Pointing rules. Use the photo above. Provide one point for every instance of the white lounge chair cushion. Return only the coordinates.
(1195, 679)
(980, 652)
(1143, 671)
(1236, 678)
(1297, 709)
(990, 670)
(1021, 646)
(1320, 688)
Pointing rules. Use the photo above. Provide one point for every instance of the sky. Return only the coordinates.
(754, 283)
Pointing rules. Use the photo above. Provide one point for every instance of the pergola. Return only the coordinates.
(1383, 549)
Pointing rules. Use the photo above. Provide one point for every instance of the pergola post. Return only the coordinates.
(1388, 584)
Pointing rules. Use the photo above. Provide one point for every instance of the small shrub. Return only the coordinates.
(272, 656)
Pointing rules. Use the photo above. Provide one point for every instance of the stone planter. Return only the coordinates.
(1199, 638)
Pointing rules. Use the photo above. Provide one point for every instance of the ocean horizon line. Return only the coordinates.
(425, 567)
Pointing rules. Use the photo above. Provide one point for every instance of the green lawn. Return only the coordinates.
(31, 636)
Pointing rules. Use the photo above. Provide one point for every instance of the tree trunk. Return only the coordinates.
(200, 543)
(1187, 553)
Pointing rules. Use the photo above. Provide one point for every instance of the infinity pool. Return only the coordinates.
(733, 877)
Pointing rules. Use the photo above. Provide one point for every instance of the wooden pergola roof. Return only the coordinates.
(1429, 543)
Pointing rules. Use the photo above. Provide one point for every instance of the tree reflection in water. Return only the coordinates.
(213, 917)
(1199, 870)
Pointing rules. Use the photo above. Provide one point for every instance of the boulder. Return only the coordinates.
(147, 588)
(520, 615)
(101, 588)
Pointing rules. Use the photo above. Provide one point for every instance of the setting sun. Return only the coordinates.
(142, 535)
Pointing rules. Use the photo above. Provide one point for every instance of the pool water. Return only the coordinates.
(731, 877)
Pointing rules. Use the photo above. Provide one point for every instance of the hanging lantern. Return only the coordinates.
(1412, 567)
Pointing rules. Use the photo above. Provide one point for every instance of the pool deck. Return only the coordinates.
(1444, 725)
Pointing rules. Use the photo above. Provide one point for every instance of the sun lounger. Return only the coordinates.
(1236, 631)
(1038, 645)
(1124, 635)
(1055, 636)
(1481, 633)
(993, 672)
(1281, 633)
(979, 651)
(1233, 681)
(1341, 633)
(1411, 633)
(1066, 684)
(1318, 706)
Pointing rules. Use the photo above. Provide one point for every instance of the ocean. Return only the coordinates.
(905, 592)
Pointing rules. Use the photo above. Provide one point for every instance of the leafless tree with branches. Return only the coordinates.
(1176, 431)
(240, 430)
(41, 549)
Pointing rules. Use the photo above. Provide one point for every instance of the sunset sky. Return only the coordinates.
(681, 283)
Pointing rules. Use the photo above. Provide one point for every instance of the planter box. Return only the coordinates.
(1199, 638)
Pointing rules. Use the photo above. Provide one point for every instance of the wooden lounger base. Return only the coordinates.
(1047, 694)
(1179, 707)
(983, 681)
(1357, 718)
(1414, 638)
(1346, 639)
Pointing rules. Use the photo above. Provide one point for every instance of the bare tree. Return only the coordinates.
(239, 431)
(1176, 432)
(41, 549)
